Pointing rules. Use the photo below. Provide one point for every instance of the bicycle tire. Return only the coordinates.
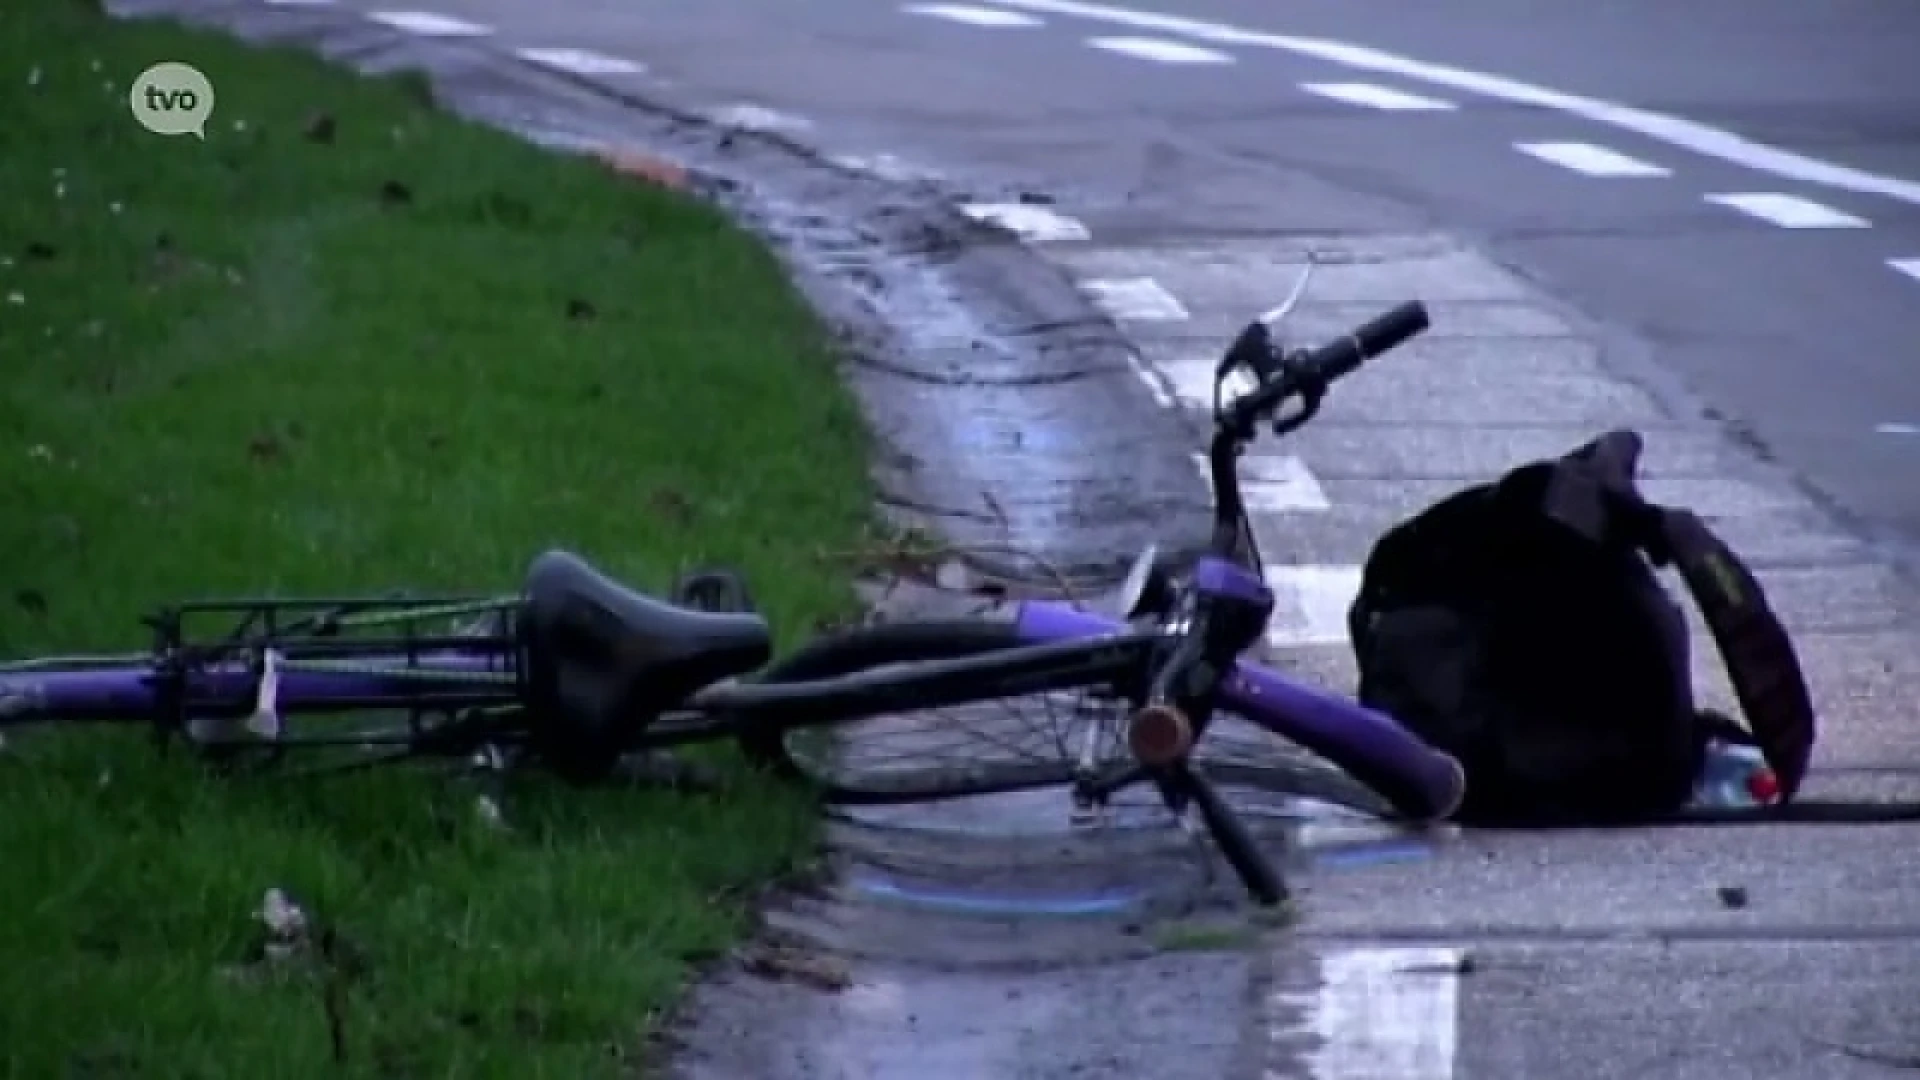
(883, 644)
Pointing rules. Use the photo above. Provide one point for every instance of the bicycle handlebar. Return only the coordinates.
(1305, 374)
(1227, 615)
(1309, 372)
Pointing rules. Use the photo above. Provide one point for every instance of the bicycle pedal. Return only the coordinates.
(714, 589)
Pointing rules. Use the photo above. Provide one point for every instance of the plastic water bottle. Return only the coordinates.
(1735, 776)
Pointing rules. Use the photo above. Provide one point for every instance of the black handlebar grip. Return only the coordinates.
(1331, 361)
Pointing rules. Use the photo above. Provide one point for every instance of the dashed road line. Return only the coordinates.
(1151, 379)
(1673, 130)
(1032, 224)
(1311, 605)
(1191, 379)
(974, 15)
(580, 61)
(1139, 299)
(1377, 97)
(758, 118)
(1909, 267)
(429, 24)
(1160, 50)
(1590, 160)
(1274, 484)
(1379, 1014)
(299, 3)
(1787, 211)
(885, 167)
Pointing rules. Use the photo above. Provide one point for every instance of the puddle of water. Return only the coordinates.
(957, 901)
(1046, 812)
(1013, 856)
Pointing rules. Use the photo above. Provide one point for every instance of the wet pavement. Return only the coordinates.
(1045, 404)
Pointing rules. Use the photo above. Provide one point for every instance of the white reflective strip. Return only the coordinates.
(974, 15)
(1788, 211)
(1033, 224)
(1311, 603)
(429, 23)
(758, 118)
(580, 61)
(1191, 376)
(1380, 1014)
(1159, 50)
(1273, 484)
(1139, 299)
(1590, 160)
(1377, 97)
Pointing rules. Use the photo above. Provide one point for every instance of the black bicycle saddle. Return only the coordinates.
(602, 660)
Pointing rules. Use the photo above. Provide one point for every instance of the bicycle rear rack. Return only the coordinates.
(390, 638)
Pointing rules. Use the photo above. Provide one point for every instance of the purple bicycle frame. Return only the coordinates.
(133, 692)
(1419, 781)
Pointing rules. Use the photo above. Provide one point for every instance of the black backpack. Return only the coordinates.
(1520, 626)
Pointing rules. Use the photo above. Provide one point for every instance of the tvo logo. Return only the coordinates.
(172, 98)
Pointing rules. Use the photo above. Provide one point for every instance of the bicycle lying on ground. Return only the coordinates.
(577, 671)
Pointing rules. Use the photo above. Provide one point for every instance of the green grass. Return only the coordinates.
(1203, 937)
(237, 367)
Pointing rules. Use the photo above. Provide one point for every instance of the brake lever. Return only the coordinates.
(1310, 391)
(1254, 349)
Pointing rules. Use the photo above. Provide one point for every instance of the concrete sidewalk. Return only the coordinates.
(1698, 952)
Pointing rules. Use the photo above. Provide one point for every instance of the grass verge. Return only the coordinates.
(349, 344)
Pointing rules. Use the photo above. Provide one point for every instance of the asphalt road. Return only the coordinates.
(1808, 336)
(1201, 149)
(1804, 336)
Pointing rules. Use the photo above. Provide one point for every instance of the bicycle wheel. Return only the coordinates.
(999, 745)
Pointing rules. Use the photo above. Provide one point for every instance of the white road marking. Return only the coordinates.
(758, 118)
(1033, 224)
(974, 15)
(1377, 97)
(1788, 211)
(1676, 131)
(884, 166)
(1897, 429)
(1590, 160)
(1160, 50)
(1909, 267)
(1274, 484)
(1156, 386)
(299, 3)
(1382, 1014)
(580, 61)
(1312, 604)
(1191, 377)
(429, 23)
(1138, 299)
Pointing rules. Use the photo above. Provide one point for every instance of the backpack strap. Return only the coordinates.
(1753, 644)
(1592, 491)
